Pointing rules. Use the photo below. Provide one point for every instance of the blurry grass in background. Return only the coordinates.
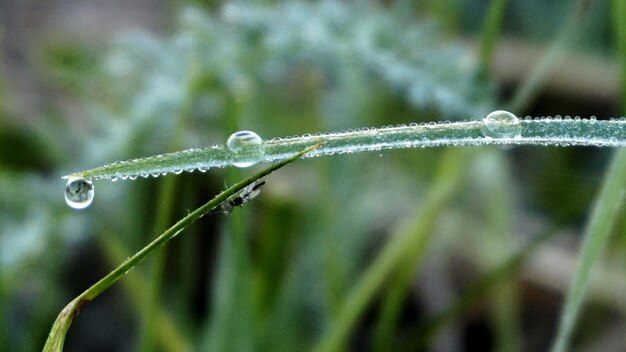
(285, 271)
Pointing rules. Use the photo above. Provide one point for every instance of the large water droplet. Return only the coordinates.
(501, 124)
(246, 148)
(79, 193)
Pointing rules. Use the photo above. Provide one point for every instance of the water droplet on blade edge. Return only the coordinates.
(79, 193)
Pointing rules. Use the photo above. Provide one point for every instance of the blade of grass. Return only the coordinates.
(619, 25)
(497, 244)
(167, 191)
(604, 214)
(231, 322)
(169, 332)
(505, 310)
(400, 287)
(539, 131)
(230, 326)
(148, 335)
(393, 254)
(568, 32)
(421, 228)
(491, 32)
(335, 265)
(56, 338)
(428, 330)
(508, 331)
(619, 12)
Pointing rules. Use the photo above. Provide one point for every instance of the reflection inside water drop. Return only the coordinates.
(79, 193)
(501, 124)
(246, 148)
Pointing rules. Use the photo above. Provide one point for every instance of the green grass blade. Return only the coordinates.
(428, 330)
(56, 338)
(171, 336)
(539, 131)
(506, 310)
(148, 336)
(421, 228)
(491, 31)
(394, 253)
(568, 32)
(619, 23)
(400, 288)
(499, 235)
(605, 212)
(231, 323)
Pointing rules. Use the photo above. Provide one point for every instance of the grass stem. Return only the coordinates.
(606, 210)
(60, 327)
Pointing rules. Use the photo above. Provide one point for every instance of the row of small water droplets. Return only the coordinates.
(189, 160)
(246, 148)
(499, 127)
(568, 131)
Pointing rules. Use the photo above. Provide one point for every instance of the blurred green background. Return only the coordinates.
(84, 83)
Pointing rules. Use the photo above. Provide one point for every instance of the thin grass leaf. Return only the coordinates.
(169, 331)
(619, 11)
(422, 228)
(566, 35)
(605, 213)
(491, 32)
(231, 325)
(427, 331)
(606, 210)
(512, 131)
(392, 255)
(497, 186)
(56, 338)
(147, 341)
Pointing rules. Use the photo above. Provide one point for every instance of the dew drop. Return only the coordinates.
(79, 193)
(246, 148)
(501, 124)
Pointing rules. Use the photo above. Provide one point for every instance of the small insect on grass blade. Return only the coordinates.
(243, 197)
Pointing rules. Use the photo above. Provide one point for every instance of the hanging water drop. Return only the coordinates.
(501, 124)
(246, 148)
(79, 193)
